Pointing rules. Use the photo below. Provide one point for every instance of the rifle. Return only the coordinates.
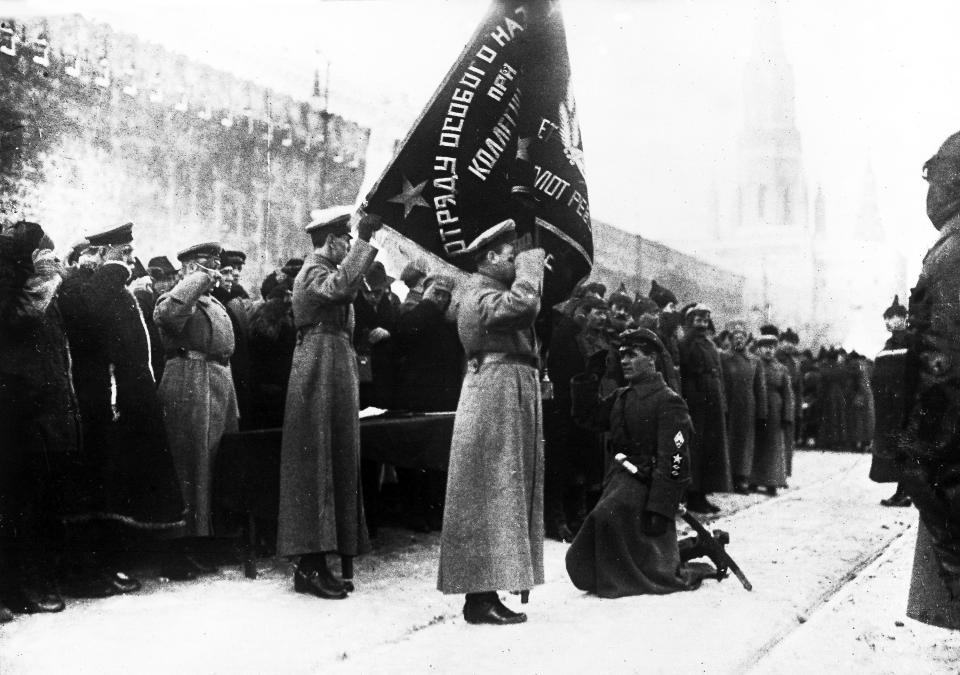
(713, 546)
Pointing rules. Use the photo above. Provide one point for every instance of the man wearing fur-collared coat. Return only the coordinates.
(492, 535)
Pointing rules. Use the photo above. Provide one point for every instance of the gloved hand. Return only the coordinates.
(369, 224)
(529, 266)
(378, 334)
(653, 524)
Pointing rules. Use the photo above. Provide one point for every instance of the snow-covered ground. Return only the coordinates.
(829, 565)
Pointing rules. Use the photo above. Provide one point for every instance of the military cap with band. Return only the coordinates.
(115, 236)
(207, 249)
(501, 233)
(334, 220)
(639, 338)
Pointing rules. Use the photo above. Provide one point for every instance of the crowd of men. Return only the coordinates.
(123, 379)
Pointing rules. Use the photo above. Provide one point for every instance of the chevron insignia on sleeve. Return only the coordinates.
(679, 439)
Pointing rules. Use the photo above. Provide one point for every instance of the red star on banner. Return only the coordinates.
(410, 196)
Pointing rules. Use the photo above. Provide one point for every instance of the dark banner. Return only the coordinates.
(504, 116)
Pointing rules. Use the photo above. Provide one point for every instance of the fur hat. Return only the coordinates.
(643, 306)
(412, 275)
(660, 295)
(292, 267)
(790, 336)
(591, 302)
(595, 287)
(620, 297)
(769, 335)
(895, 309)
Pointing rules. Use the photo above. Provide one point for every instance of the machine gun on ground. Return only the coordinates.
(707, 544)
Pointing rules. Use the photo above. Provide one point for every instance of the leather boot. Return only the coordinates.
(487, 608)
(898, 498)
(314, 577)
(37, 594)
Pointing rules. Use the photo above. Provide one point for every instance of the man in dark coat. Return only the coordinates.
(789, 355)
(702, 382)
(883, 468)
(930, 445)
(375, 309)
(129, 474)
(429, 351)
(832, 431)
(321, 500)
(492, 535)
(628, 543)
(39, 421)
(235, 300)
(429, 376)
(746, 392)
(273, 338)
(776, 430)
(573, 454)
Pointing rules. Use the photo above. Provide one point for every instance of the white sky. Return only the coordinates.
(658, 85)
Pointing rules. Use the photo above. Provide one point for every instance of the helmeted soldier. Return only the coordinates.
(628, 543)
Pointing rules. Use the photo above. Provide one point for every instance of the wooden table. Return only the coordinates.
(247, 471)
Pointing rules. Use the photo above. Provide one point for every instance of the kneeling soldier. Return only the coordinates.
(628, 543)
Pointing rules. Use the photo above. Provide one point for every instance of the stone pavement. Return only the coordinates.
(823, 540)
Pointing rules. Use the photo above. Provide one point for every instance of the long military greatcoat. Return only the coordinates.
(702, 383)
(199, 401)
(788, 357)
(928, 448)
(770, 457)
(833, 432)
(888, 381)
(611, 556)
(128, 473)
(321, 501)
(861, 417)
(493, 518)
(746, 391)
(39, 421)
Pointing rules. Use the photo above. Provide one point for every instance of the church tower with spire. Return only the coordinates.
(771, 193)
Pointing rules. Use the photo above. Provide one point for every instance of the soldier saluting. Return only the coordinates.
(492, 535)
